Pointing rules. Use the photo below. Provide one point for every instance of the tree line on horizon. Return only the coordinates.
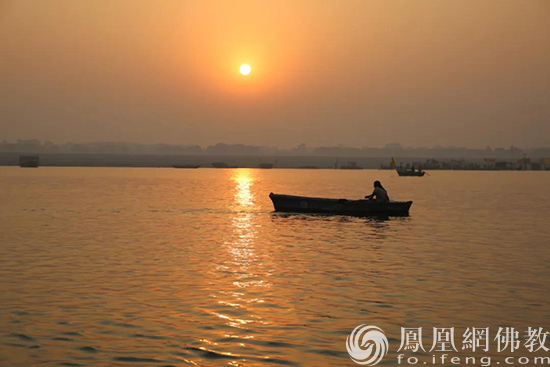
(36, 146)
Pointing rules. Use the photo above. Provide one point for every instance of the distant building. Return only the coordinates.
(523, 163)
(29, 161)
(504, 165)
(351, 165)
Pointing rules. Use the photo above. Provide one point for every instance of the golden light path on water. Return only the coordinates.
(243, 193)
(241, 243)
(242, 264)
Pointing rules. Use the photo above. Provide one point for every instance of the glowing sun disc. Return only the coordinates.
(245, 69)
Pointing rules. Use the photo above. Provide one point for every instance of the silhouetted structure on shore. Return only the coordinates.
(29, 161)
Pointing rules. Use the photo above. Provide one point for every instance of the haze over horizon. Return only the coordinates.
(357, 73)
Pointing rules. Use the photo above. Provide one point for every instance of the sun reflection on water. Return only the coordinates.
(243, 193)
(243, 234)
(240, 297)
(243, 261)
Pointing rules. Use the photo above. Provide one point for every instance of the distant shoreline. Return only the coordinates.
(206, 161)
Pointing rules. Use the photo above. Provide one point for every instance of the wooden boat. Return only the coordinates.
(409, 173)
(304, 204)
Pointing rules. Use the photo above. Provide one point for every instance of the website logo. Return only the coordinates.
(367, 345)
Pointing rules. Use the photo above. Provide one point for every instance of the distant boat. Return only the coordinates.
(363, 207)
(29, 161)
(186, 166)
(406, 172)
(351, 165)
(265, 165)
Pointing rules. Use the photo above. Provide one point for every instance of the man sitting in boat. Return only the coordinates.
(379, 193)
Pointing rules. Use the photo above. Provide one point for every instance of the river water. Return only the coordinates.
(166, 267)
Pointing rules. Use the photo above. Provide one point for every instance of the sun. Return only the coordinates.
(245, 69)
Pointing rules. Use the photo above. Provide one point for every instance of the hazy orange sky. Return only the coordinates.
(324, 72)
